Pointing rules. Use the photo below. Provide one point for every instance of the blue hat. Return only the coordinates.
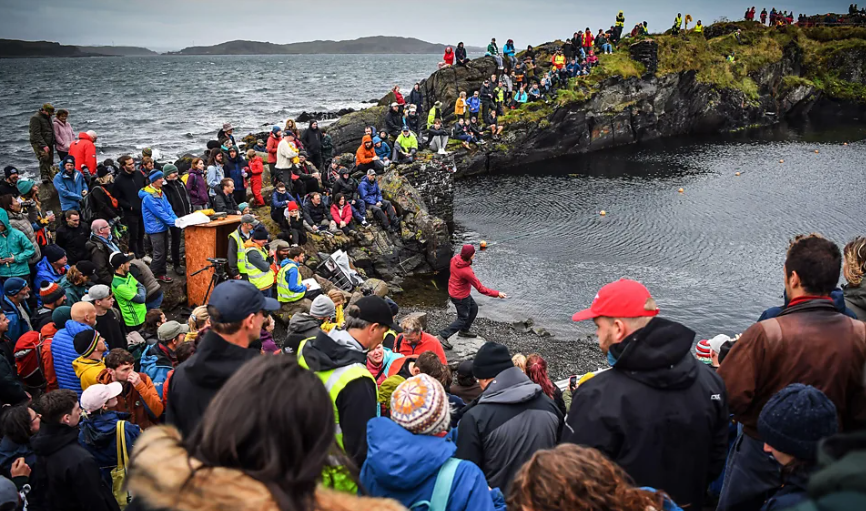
(155, 175)
(795, 419)
(276, 129)
(234, 300)
(14, 285)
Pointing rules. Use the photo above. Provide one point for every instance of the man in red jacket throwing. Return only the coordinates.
(460, 286)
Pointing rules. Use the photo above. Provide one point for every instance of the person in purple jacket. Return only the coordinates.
(196, 185)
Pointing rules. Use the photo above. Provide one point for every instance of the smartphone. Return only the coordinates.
(572, 382)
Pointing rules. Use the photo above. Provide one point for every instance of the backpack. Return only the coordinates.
(442, 489)
(28, 360)
(86, 206)
(118, 473)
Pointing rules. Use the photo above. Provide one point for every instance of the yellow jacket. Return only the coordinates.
(460, 106)
(87, 370)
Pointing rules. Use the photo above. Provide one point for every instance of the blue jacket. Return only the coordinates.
(837, 295)
(69, 188)
(156, 364)
(369, 191)
(473, 103)
(99, 436)
(235, 170)
(281, 200)
(383, 152)
(17, 327)
(63, 352)
(508, 50)
(292, 277)
(14, 243)
(45, 272)
(156, 210)
(404, 466)
(10, 451)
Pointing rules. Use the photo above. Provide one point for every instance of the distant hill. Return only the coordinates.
(364, 45)
(119, 51)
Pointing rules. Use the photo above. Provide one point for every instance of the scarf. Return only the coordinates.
(108, 242)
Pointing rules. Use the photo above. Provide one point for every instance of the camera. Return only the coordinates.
(218, 260)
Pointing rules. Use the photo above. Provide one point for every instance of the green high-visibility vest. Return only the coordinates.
(260, 279)
(241, 252)
(284, 294)
(335, 381)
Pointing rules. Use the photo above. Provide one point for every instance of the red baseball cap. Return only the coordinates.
(621, 299)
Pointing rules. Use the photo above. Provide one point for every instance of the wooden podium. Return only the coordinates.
(205, 241)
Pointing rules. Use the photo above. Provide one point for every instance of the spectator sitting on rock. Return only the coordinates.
(460, 133)
(475, 129)
(316, 218)
(435, 113)
(448, 58)
(493, 51)
(341, 215)
(366, 158)
(369, 192)
(591, 61)
(493, 125)
(412, 119)
(383, 151)
(393, 119)
(260, 146)
(295, 232)
(602, 44)
(460, 55)
(308, 176)
(405, 147)
(348, 187)
(534, 93)
(437, 137)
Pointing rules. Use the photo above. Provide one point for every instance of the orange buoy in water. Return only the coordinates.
(737, 174)
(781, 161)
(602, 213)
(483, 245)
(681, 190)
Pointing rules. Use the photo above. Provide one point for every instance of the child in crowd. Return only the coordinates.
(257, 167)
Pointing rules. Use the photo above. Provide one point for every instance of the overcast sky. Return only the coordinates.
(173, 24)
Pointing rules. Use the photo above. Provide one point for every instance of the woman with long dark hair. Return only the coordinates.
(257, 447)
(536, 370)
(17, 424)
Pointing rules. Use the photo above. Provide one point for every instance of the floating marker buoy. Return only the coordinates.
(483, 244)
(781, 161)
(846, 143)
(737, 174)
(602, 213)
(816, 151)
(681, 190)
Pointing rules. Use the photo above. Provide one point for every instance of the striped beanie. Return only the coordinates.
(703, 352)
(50, 292)
(421, 406)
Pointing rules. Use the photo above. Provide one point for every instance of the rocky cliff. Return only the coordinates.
(720, 82)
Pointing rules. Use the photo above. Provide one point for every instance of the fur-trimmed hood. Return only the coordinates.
(161, 467)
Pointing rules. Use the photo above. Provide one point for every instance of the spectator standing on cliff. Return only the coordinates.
(235, 168)
(854, 269)
(63, 134)
(460, 285)
(42, 140)
(637, 412)
(70, 185)
(769, 356)
(179, 199)
(273, 142)
(196, 185)
(487, 99)
(312, 139)
(158, 218)
(416, 98)
(129, 181)
(215, 172)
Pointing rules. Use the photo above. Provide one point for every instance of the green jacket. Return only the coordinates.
(74, 293)
(130, 296)
(407, 143)
(841, 482)
(14, 243)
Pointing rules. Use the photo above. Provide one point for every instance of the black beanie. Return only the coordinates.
(491, 359)
(795, 419)
(85, 342)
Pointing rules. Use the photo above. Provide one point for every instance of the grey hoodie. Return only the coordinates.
(855, 300)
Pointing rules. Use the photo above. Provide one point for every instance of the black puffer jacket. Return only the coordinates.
(506, 425)
(349, 188)
(65, 476)
(658, 413)
(126, 187)
(312, 139)
(223, 203)
(73, 241)
(314, 214)
(178, 197)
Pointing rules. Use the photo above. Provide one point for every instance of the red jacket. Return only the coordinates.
(449, 56)
(84, 153)
(463, 279)
(588, 39)
(344, 216)
(256, 165)
(47, 333)
(273, 142)
(428, 343)
(398, 97)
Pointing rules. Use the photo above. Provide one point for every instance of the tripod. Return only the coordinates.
(219, 275)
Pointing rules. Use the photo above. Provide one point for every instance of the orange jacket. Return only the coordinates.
(84, 153)
(47, 333)
(137, 400)
(364, 155)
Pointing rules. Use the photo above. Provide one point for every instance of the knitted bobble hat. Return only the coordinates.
(420, 406)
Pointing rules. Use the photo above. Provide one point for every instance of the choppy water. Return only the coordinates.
(177, 104)
(711, 256)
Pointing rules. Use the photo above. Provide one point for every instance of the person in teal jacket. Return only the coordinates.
(508, 51)
(15, 250)
(158, 217)
(70, 185)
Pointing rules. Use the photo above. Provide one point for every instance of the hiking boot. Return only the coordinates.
(467, 334)
(444, 342)
(165, 278)
(180, 270)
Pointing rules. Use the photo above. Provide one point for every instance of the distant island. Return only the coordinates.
(12, 48)
(363, 45)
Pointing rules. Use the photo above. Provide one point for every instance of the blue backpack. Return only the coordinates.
(442, 489)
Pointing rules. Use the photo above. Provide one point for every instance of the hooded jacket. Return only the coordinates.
(506, 425)
(196, 184)
(22, 223)
(234, 168)
(364, 156)
(840, 483)
(393, 121)
(84, 152)
(126, 188)
(87, 370)
(156, 363)
(18, 326)
(64, 354)
(195, 382)
(383, 151)
(74, 293)
(69, 187)
(98, 434)
(463, 279)
(415, 96)
(314, 214)
(66, 477)
(404, 466)
(41, 131)
(855, 300)
(369, 191)
(312, 139)
(98, 252)
(63, 134)
(156, 210)
(162, 476)
(273, 143)
(14, 243)
(358, 401)
(659, 413)
(348, 187)
(178, 197)
(45, 272)
(301, 326)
